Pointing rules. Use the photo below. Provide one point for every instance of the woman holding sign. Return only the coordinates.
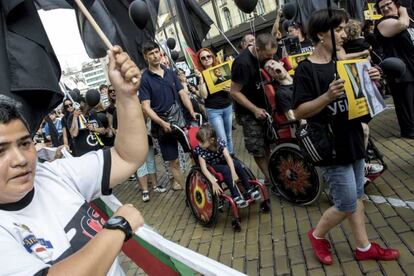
(319, 98)
(219, 104)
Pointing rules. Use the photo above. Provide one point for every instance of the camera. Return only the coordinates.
(292, 45)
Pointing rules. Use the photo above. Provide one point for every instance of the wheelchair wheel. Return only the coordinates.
(295, 179)
(200, 197)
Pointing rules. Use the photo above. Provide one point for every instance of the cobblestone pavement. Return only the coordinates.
(275, 243)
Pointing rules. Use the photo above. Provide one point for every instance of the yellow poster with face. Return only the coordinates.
(296, 59)
(358, 85)
(218, 77)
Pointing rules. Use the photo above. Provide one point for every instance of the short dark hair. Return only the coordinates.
(396, 2)
(265, 39)
(245, 36)
(10, 113)
(149, 46)
(321, 22)
(102, 86)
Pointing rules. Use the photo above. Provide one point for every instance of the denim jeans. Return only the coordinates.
(221, 120)
(228, 179)
(346, 183)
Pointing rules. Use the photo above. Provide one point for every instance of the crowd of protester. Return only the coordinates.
(82, 127)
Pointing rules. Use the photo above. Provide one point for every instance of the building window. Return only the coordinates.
(260, 7)
(243, 17)
(227, 16)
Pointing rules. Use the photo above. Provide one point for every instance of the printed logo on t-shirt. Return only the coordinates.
(338, 106)
(38, 247)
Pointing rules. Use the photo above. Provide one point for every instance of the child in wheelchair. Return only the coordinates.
(212, 151)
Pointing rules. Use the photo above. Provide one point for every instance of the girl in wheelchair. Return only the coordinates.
(212, 151)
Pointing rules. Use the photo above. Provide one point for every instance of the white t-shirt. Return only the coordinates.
(54, 220)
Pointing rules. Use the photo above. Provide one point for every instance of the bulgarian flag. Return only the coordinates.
(190, 56)
(159, 256)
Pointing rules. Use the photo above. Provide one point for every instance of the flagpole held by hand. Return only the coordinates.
(97, 29)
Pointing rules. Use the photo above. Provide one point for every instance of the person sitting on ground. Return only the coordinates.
(284, 89)
(213, 151)
(46, 224)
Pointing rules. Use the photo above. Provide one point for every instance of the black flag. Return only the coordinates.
(194, 21)
(29, 69)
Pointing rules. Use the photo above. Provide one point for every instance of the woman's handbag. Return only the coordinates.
(316, 142)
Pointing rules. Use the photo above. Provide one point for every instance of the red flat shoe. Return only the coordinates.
(321, 248)
(376, 252)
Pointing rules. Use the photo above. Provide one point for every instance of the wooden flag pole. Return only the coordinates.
(97, 29)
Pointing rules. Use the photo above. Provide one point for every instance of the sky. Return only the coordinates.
(62, 30)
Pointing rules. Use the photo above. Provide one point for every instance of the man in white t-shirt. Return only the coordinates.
(46, 223)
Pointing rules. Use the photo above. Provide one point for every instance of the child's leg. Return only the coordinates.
(142, 177)
(244, 178)
(225, 171)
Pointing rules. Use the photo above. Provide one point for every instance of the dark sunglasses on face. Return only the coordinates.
(111, 91)
(68, 105)
(204, 58)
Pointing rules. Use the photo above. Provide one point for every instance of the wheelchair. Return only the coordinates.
(292, 177)
(203, 203)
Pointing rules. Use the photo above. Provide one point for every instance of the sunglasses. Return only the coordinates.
(68, 105)
(204, 58)
(386, 5)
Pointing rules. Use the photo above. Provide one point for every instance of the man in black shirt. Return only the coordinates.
(395, 32)
(247, 91)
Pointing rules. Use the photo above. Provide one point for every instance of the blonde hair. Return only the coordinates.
(353, 29)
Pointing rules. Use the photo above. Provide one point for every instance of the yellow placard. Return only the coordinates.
(350, 72)
(218, 77)
(294, 60)
(371, 13)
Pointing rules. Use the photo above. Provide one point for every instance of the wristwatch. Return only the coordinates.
(119, 223)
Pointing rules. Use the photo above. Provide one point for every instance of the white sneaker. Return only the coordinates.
(255, 195)
(240, 202)
(160, 189)
(371, 168)
(145, 196)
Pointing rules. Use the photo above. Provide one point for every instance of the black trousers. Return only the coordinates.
(403, 95)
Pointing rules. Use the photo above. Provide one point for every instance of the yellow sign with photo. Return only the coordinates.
(218, 77)
(371, 13)
(294, 61)
(362, 94)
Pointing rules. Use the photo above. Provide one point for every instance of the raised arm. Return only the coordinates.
(131, 145)
(393, 26)
(275, 30)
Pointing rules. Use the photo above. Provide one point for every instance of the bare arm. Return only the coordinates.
(237, 95)
(275, 29)
(391, 26)
(312, 108)
(74, 129)
(97, 256)
(131, 145)
(203, 165)
(202, 86)
(342, 55)
(146, 106)
(65, 137)
(230, 163)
